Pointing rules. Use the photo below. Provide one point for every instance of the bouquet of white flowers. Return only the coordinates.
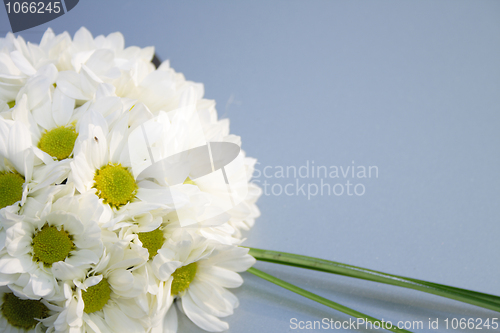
(121, 193)
(123, 197)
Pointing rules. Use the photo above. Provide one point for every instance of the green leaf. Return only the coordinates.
(487, 301)
(322, 300)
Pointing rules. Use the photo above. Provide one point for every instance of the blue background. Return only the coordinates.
(410, 87)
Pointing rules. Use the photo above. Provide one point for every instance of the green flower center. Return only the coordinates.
(11, 188)
(51, 245)
(11, 104)
(152, 240)
(183, 276)
(189, 181)
(58, 142)
(21, 313)
(96, 297)
(115, 184)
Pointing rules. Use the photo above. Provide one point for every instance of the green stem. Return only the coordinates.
(487, 301)
(324, 301)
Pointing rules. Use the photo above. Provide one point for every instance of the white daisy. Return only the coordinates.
(110, 299)
(197, 273)
(52, 126)
(101, 164)
(100, 60)
(159, 90)
(20, 61)
(111, 161)
(22, 315)
(60, 245)
(110, 48)
(18, 177)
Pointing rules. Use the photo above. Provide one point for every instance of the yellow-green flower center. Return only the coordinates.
(183, 276)
(21, 313)
(51, 245)
(115, 184)
(189, 181)
(58, 142)
(11, 104)
(96, 297)
(152, 240)
(11, 188)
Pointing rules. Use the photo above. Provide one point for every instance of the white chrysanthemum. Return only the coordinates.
(20, 61)
(22, 315)
(109, 160)
(52, 126)
(94, 53)
(197, 272)
(19, 180)
(111, 298)
(61, 245)
(101, 165)
(100, 60)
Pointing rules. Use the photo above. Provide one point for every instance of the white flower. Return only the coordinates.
(19, 61)
(159, 90)
(197, 272)
(103, 60)
(19, 180)
(113, 161)
(61, 245)
(101, 165)
(52, 125)
(22, 315)
(110, 299)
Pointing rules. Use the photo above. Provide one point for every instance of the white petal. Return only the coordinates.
(105, 90)
(42, 284)
(81, 173)
(98, 149)
(233, 258)
(19, 140)
(170, 321)
(116, 41)
(120, 322)
(21, 113)
(9, 265)
(208, 297)
(82, 257)
(79, 58)
(69, 83)
(222, 277)
(118, 140)
(83, 39)
(19, 246)
(65, 272)
(89, 81)
(96, 323)
(121, 280)
(202, 319)
(92, 281)
(22, 63)
(62, 108)
(43, 115)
